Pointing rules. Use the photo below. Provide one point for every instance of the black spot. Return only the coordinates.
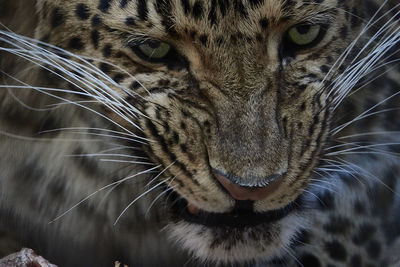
(135, 85)
(94, 35)
(359, 208)
(183, 148)
(309, 260)
(349, 180)
(96, 20)
(203, 39)
(176, 137)
(240, 8)
(76, 43)
(197, 10)
(82, 11)
(104, 5)
(87, 164)
(233, 38)
(374, 249)
(57, 18)
(118, 77)
(158, 114)
(364, 233)
(186, 6)
(164, 8)
(142, 9)
(302, 87)
(124, 3)
(336, 250)
(343, 32)
(326, 201)
(105, 67)
(338, 225)
(163, 82)
(192, 34)
(302, 238)
(107, 50)
(300, 125)
(130, 21)
(29, 171)
(356, 261)
(264, 23)
(303, 106)
(316, 119)
(56, 189)
(324, 68)
(255, 3)
(212, 16)
(49, 124)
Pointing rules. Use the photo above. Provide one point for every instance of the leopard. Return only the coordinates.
(201, 133)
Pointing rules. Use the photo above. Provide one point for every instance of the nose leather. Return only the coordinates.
(248, 193)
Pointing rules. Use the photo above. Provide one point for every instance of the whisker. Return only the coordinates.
(157, 198)
(101, 189)
(110, 93)
(365, 172)
(105, 154)
(127, 161)
(135, 137)
(139, 197)
(158, 175)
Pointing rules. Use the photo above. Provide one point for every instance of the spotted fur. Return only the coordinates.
(92, 124)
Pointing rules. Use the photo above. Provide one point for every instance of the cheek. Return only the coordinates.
(176, 141)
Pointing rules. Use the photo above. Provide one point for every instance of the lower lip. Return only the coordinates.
(235, 219)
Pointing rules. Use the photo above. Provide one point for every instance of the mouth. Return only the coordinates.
(241, 216)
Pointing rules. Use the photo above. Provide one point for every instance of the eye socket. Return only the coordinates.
(154, 50)
(304, 34)
(301, 37)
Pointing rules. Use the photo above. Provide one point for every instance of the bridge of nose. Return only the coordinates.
(247, 142)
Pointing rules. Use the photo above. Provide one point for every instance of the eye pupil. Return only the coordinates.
(153, 44)
(303, 29)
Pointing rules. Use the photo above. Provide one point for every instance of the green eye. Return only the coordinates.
(304, 34)
(154, 50)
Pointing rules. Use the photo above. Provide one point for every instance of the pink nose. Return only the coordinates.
(248, 193)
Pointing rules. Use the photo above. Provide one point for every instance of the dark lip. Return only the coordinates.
(239, 217)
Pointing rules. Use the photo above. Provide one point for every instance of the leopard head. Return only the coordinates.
(232, 100)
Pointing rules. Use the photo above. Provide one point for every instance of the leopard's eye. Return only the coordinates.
(154, 49)
(303, 35)
(158, 52)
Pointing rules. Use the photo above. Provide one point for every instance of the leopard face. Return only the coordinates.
(232, 99)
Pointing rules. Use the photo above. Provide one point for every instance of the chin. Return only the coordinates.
(236, 237)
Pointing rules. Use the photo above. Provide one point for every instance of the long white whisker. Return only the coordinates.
(101, 189)
(112, 94)
(157, 198)
(137, 198)
(158, 175)
(134, 137)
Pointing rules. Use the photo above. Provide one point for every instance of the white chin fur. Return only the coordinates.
(206, 244)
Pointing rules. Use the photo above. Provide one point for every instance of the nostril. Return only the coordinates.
(240, 192)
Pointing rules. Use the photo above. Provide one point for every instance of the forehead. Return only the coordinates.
(160, 17)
